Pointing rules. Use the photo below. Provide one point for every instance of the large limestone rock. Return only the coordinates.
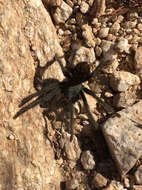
(27, 36)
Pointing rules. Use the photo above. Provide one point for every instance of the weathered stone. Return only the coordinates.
(27, 36)
(122, 80)
(84, 7)
(138, 61)
(98, 8)
(123, 45)
(103, 33)
(84, 54)
(72, 184)
(72, 149)
(99, 181)
(137, 187)
(115, 28)
(88, 35)
(62, 13)
(123, 134)
(87, 160)
(114, 185)
(138, 175)
(125, 99)
(54, 3)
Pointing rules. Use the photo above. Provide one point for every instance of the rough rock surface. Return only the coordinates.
(26, 35)
(123, 135)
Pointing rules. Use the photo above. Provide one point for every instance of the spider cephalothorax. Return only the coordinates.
(70, 89)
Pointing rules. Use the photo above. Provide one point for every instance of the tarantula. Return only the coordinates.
(69, 91)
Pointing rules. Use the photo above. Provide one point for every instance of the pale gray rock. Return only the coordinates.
(123, 45)
(103, 32)
(84, 7)
(115, 28)
(62, 13)
(84, 54)
(88, 35)
(106, 45)
(87, 160)
(123, 134)
(122, 80)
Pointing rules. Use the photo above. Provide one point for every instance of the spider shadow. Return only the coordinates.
(48, 96)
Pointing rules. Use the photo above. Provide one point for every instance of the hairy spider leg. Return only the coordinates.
(88, 110)
(41, 92)
(36, 102)
(97, 69)
(107, 107)
(72, 120)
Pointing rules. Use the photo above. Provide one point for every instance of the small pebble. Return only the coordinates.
(72, 184)
(138, 175)
(123, 45)
(103, 33)
(87, 160)
(137, 187)
(84, 7)
(99, 181)
(139, 27)
(11, 137)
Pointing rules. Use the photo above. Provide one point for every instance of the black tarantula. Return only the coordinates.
(69, 91)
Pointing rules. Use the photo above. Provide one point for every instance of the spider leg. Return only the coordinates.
(107, 107)
(72, 120)
(97, 69)
(41, 92)
(88, 110)
(36, 102)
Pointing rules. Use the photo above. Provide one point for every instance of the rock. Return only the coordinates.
(114, 185)
(106, 46)
(139, 27)
(103, 33)
(123, 134)
(54, 3)
(137, 187)
(126, 182)
(115, 28)
(72, 184)
(84, 7)
(71, 149)
(87, 33)
(98, 50)
(123, 45)
(27, 160)
(83, 54)
(62, 13)
(87, 160)
(125, 99)
(123, 80)
(138, 175)
(98, 8)
(138, 61)
(99, 181)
